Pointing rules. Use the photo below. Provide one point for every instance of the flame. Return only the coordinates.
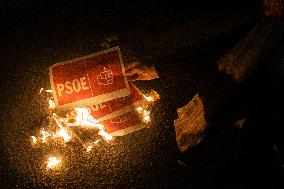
(51, 104)
(48, 91)
(105, 135)
(34, 140)
(59, 121)
(44, 135)
(89, 148)
(83, 118)
(146, 116)
(139, 109)
(96, 141)
(40, 90)
(149, 98)
(152, 96)
(53, 162)
(63, 133)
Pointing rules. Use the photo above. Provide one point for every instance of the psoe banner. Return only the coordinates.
(92, 79)
(119, 106)
(123, 124)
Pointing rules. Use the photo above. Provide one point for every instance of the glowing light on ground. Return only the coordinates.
(53, 162)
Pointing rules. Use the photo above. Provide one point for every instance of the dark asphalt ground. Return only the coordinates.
(36, 34)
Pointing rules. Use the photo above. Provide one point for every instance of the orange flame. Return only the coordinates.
(106, 136)
(84, 118)
(149, 98)
(152, 96)
(40, 90)
(34, 140)
(146, 116)
(63, 133)
(48, 91)
(51, 104)
(139, 109)
(89, 148)
(44, 135)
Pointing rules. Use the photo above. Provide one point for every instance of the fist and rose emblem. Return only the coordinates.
(106, 78)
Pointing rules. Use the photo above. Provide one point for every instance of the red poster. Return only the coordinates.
(123, 124)
(92, 79)
(116, 107)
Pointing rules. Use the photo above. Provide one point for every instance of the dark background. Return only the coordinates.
(37, 34)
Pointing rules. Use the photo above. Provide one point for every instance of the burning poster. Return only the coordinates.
(91, 103)
(121, 116)
(117, 107)
(123, 124)
(99, 101)
(92, 79)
